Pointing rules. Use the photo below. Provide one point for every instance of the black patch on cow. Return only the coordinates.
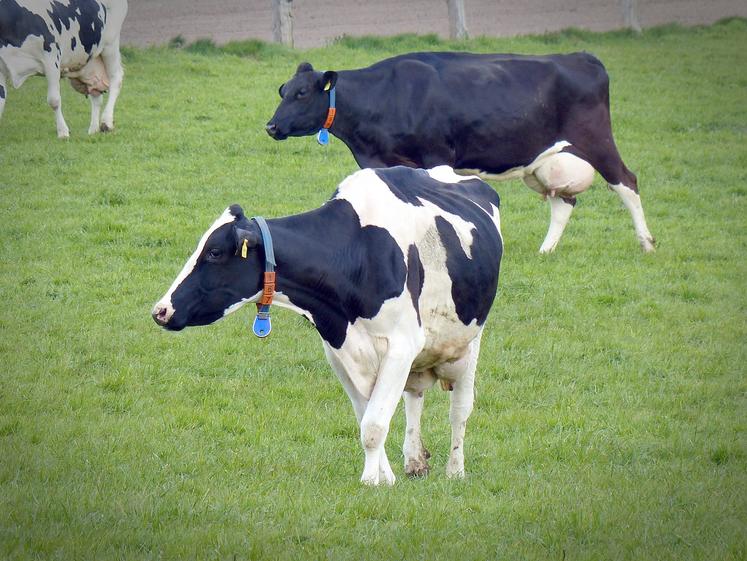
(415, 277)
(2, 92)
(474, 280)
(17, 23)
(334, 268)
(411, 186)
(569, 200)
(90, 21)
(73, 42)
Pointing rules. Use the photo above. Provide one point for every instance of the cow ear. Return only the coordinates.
(280, 90)
(245, 240)
(304, 67)
(329, 79)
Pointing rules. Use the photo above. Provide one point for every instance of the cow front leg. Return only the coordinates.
(52, 73)
(632, 201)
(390, 383)
(416, 456)
(113, 62)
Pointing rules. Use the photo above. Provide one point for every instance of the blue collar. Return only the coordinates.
(322, 136)
(262, 324)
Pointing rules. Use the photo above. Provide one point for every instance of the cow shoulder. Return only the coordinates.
(357, 267)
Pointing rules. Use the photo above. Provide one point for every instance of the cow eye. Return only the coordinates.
(303, 92)
(214, 254)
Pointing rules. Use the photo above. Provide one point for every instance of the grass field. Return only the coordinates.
(610, 420)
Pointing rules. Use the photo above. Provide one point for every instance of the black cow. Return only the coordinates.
(397, 271)
(544, 119)
(77, 39)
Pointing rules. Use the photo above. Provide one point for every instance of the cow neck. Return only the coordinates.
(353, 88)
(305, 250)
(262, 324)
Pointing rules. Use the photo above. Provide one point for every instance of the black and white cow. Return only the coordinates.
(544, 119)
(77, 39)
(397, 271)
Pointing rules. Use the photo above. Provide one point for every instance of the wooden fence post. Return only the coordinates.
(282, 22)
(457, 23)
(630, 13)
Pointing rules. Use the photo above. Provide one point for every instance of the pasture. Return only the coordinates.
(610, 418)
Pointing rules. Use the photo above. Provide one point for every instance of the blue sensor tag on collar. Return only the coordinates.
(322, 137)
(262, 325)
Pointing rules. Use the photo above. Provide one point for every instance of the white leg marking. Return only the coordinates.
(560, 213)
(632, 201)
(96, 103)
(54, 99)
(462, 400)
(416, 457)
(390, 383)
(113, 63)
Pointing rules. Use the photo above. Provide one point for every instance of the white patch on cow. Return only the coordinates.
(191, 263)
(520, 171)
(561, 175)
(632, 202)
(446, 174)
(233, 307)
(376, 205)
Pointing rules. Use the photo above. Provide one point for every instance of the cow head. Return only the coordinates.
(224, 272)
(304, 105)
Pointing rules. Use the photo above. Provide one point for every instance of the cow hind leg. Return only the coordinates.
(461, 374)
(3, 94)
(113, 63)
(603, 155)
(560, 178)
(96, 103)
(632, 201)
(416, 456)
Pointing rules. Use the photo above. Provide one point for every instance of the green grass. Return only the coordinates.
(610, 412)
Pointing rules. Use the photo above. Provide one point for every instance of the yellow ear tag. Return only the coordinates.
(244, 248)
(327, 86)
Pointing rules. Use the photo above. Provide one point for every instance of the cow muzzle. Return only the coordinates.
(162, 313)
(272, 129)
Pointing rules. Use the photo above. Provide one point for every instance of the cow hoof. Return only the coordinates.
(106, 128)
(417, 468)
(648, 245)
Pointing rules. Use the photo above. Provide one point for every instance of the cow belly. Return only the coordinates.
(446, 340)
